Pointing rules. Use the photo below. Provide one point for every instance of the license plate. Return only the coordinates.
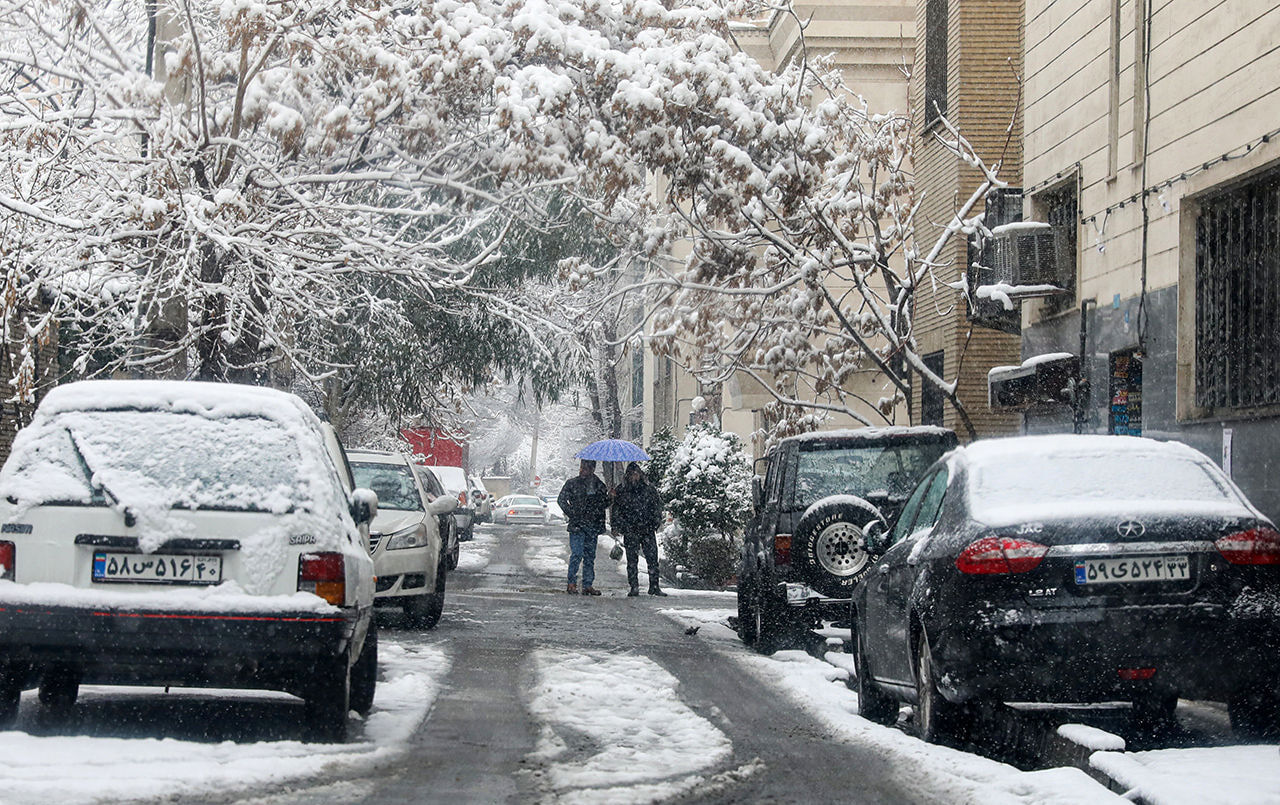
(140, 568)
(1141, 568)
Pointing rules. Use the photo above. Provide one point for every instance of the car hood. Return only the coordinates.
(391, 521)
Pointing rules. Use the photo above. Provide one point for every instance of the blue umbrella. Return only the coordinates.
(612, 450)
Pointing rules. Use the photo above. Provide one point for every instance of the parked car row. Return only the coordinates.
(211, 535)
(1030, 569)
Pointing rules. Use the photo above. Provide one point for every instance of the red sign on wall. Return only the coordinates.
(436, 447)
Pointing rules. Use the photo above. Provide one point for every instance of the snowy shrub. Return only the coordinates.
(661, 449)
(707, 489)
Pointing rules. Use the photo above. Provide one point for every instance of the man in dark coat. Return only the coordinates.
(637, 513)
(584, 500)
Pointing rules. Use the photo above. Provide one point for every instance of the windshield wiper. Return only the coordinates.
(95, 481)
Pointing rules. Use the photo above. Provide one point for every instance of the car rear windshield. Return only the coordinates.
(866, 470)
(1078, 479)
(393, 484)
(164, 459)
(526, 501)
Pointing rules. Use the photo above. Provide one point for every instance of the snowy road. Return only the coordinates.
(525, 694)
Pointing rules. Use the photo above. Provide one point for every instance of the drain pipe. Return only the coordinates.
(1081, 392)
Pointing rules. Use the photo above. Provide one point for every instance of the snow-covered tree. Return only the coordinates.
(707, 489)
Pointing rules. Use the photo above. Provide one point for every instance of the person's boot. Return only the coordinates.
(655, 591)
(590, 591)
(572, 589)
(634, 592)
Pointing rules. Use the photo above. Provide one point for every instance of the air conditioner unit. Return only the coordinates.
(1028, 256)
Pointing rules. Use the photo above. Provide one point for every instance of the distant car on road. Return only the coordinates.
(1072, 569)
(520, 509)
(410, 555)
(481, 500)
(182, 533)
(823, 495)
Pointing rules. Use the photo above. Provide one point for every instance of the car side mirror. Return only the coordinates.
(757, 492)
(363, 504)
(443, 504)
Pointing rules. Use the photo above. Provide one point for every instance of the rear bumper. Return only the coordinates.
(1073, 655)
(271, 650)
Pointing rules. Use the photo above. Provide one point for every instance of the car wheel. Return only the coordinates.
(364, 674)
(1255, 715)
(10, 697)
(454, 555)
(1153, 713)
(424, 611)
(59, 689)
(937, 720)
(328, 701)
(746, 614)
(829, 546)
(773, 627)
(873, 704)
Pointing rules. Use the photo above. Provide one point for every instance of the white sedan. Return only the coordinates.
(520, 509)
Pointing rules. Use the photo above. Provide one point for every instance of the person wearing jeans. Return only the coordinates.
(584, 500)
(637, 513)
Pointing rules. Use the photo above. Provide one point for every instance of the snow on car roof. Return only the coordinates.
(213, 400)
(1069, 475)
(870, 433)
(377, 457)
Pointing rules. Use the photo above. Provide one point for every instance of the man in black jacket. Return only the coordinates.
(637, 513)
(584, 500)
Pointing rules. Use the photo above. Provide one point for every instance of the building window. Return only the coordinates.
(1237, 293)
(931, 399)
(637, 378)
(935, 60)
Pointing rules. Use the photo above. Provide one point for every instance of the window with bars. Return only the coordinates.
(1062, 212)
(935, 60)
(1237, 297)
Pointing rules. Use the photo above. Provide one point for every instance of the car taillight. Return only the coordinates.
(782, 549)
(323, 574)
(8, 555)
(462, 498)
(1257, 546)
(997, 555)
(1136, 674)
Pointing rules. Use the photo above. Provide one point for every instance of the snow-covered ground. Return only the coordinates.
(473, 555)
(72, 769)
(933, 770)
(614, 729)
(1223, 775)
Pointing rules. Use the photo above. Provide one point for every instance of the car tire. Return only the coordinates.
(59, 689)
(364, 674)
(746, 613)
(829, 544)
(454, 555)
(938, 721)
(873, 704)
(327, 703)
(424, 611)
(1255, 715)
(774, 630)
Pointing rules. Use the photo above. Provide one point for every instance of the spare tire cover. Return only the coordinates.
(829, 546)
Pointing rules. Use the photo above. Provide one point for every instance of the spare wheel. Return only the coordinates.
(829, 546)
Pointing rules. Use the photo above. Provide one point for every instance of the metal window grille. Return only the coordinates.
(1062, 212)
(932, 403)
(1237, 296)
(935, 60)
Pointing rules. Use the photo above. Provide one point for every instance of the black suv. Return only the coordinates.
(806, 545)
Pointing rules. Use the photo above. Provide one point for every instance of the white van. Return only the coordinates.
(409, 556)
(183, 533)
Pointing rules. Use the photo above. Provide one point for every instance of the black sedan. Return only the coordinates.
(1072, 569)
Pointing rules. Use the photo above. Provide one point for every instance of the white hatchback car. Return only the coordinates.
(409, 556)
(183, 533)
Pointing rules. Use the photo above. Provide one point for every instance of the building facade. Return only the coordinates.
(1152, 130)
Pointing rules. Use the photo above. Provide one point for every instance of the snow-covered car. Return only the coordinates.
(481, 500)
(454, 481)
(410, 559)
(520, 509)
(1072, 569)
(183, 533)
(805, 546)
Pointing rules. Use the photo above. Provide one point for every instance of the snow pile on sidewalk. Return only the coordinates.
(614, 729)
(72, 769)
(1230, 775)
(473, 555)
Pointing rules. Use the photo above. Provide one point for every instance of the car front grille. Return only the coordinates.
(386, 583)
(374, 539)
